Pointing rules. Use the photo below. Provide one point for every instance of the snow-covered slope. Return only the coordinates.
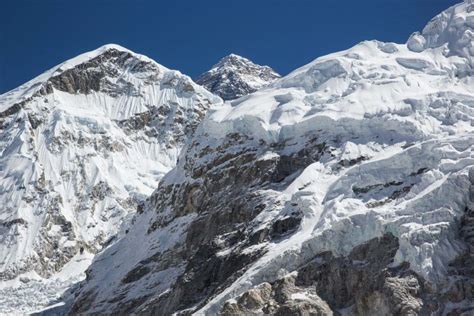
(235, 76)
(346, 186)
(81, 147)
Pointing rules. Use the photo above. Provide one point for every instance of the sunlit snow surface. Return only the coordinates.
(417, 105)
(29, 292)
(408, 110)
(76, 178)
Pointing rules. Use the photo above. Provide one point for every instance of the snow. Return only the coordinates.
(113, 267)
(402, 113)
(26, 90)
(452, 29)
(232, 62)
(400, 117)
(338, 87)
(375, 100)
(27, 292)
(75, 180)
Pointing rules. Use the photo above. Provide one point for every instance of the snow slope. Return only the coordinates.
(403, 114)
(235, 76)
(374, 140)
(81, 147)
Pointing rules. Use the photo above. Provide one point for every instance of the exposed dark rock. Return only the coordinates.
(34, 120)
(95, 74)
(351, 162)
(287, 165)
(285, 226)
(362, 281)
(237, 180)
(166, 122)
(17, 221)
(100, 191)
(136, 274)
(279, 298)
(11, 110)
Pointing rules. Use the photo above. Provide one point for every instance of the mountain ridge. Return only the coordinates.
(304, 186)
(345, 187)
(81, 147)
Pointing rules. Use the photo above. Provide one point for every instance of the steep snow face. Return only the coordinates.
(453, 29)
(235, 76)
(374, 141)
(81, 147)
(371, 82)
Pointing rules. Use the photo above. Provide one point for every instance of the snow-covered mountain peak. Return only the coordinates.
(110, 68)
(234, 60)
(108, 50)
(234, 76)
(373, 80)
(359, 155)
(81, 147)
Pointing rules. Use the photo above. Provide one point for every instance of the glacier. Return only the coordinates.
(366, 145)
(345, 187)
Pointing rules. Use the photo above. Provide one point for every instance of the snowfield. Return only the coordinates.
(81, 146)
(394, 126)
(354, 173)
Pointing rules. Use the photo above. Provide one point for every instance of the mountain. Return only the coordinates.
(345, 187)
(235, 76)
(81, 147)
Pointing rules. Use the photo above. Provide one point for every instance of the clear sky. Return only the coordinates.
(191, 36)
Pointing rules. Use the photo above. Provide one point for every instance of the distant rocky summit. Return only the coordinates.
(235, 76)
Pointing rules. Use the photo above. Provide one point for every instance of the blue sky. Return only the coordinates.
(191, 36)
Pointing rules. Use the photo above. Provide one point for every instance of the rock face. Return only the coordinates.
(282, 297)
(81, 147)
(361, 283)
(344, 187)
(235, 76)
(349, 190)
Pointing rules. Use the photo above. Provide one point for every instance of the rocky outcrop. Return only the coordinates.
(166, 122)
(282, 297)
(362, 283)
(241, 186)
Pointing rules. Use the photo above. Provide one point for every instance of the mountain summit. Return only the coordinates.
(81, 147)
(345, 187)
(235, 76)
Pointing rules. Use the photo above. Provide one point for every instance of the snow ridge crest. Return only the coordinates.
(452, 28)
